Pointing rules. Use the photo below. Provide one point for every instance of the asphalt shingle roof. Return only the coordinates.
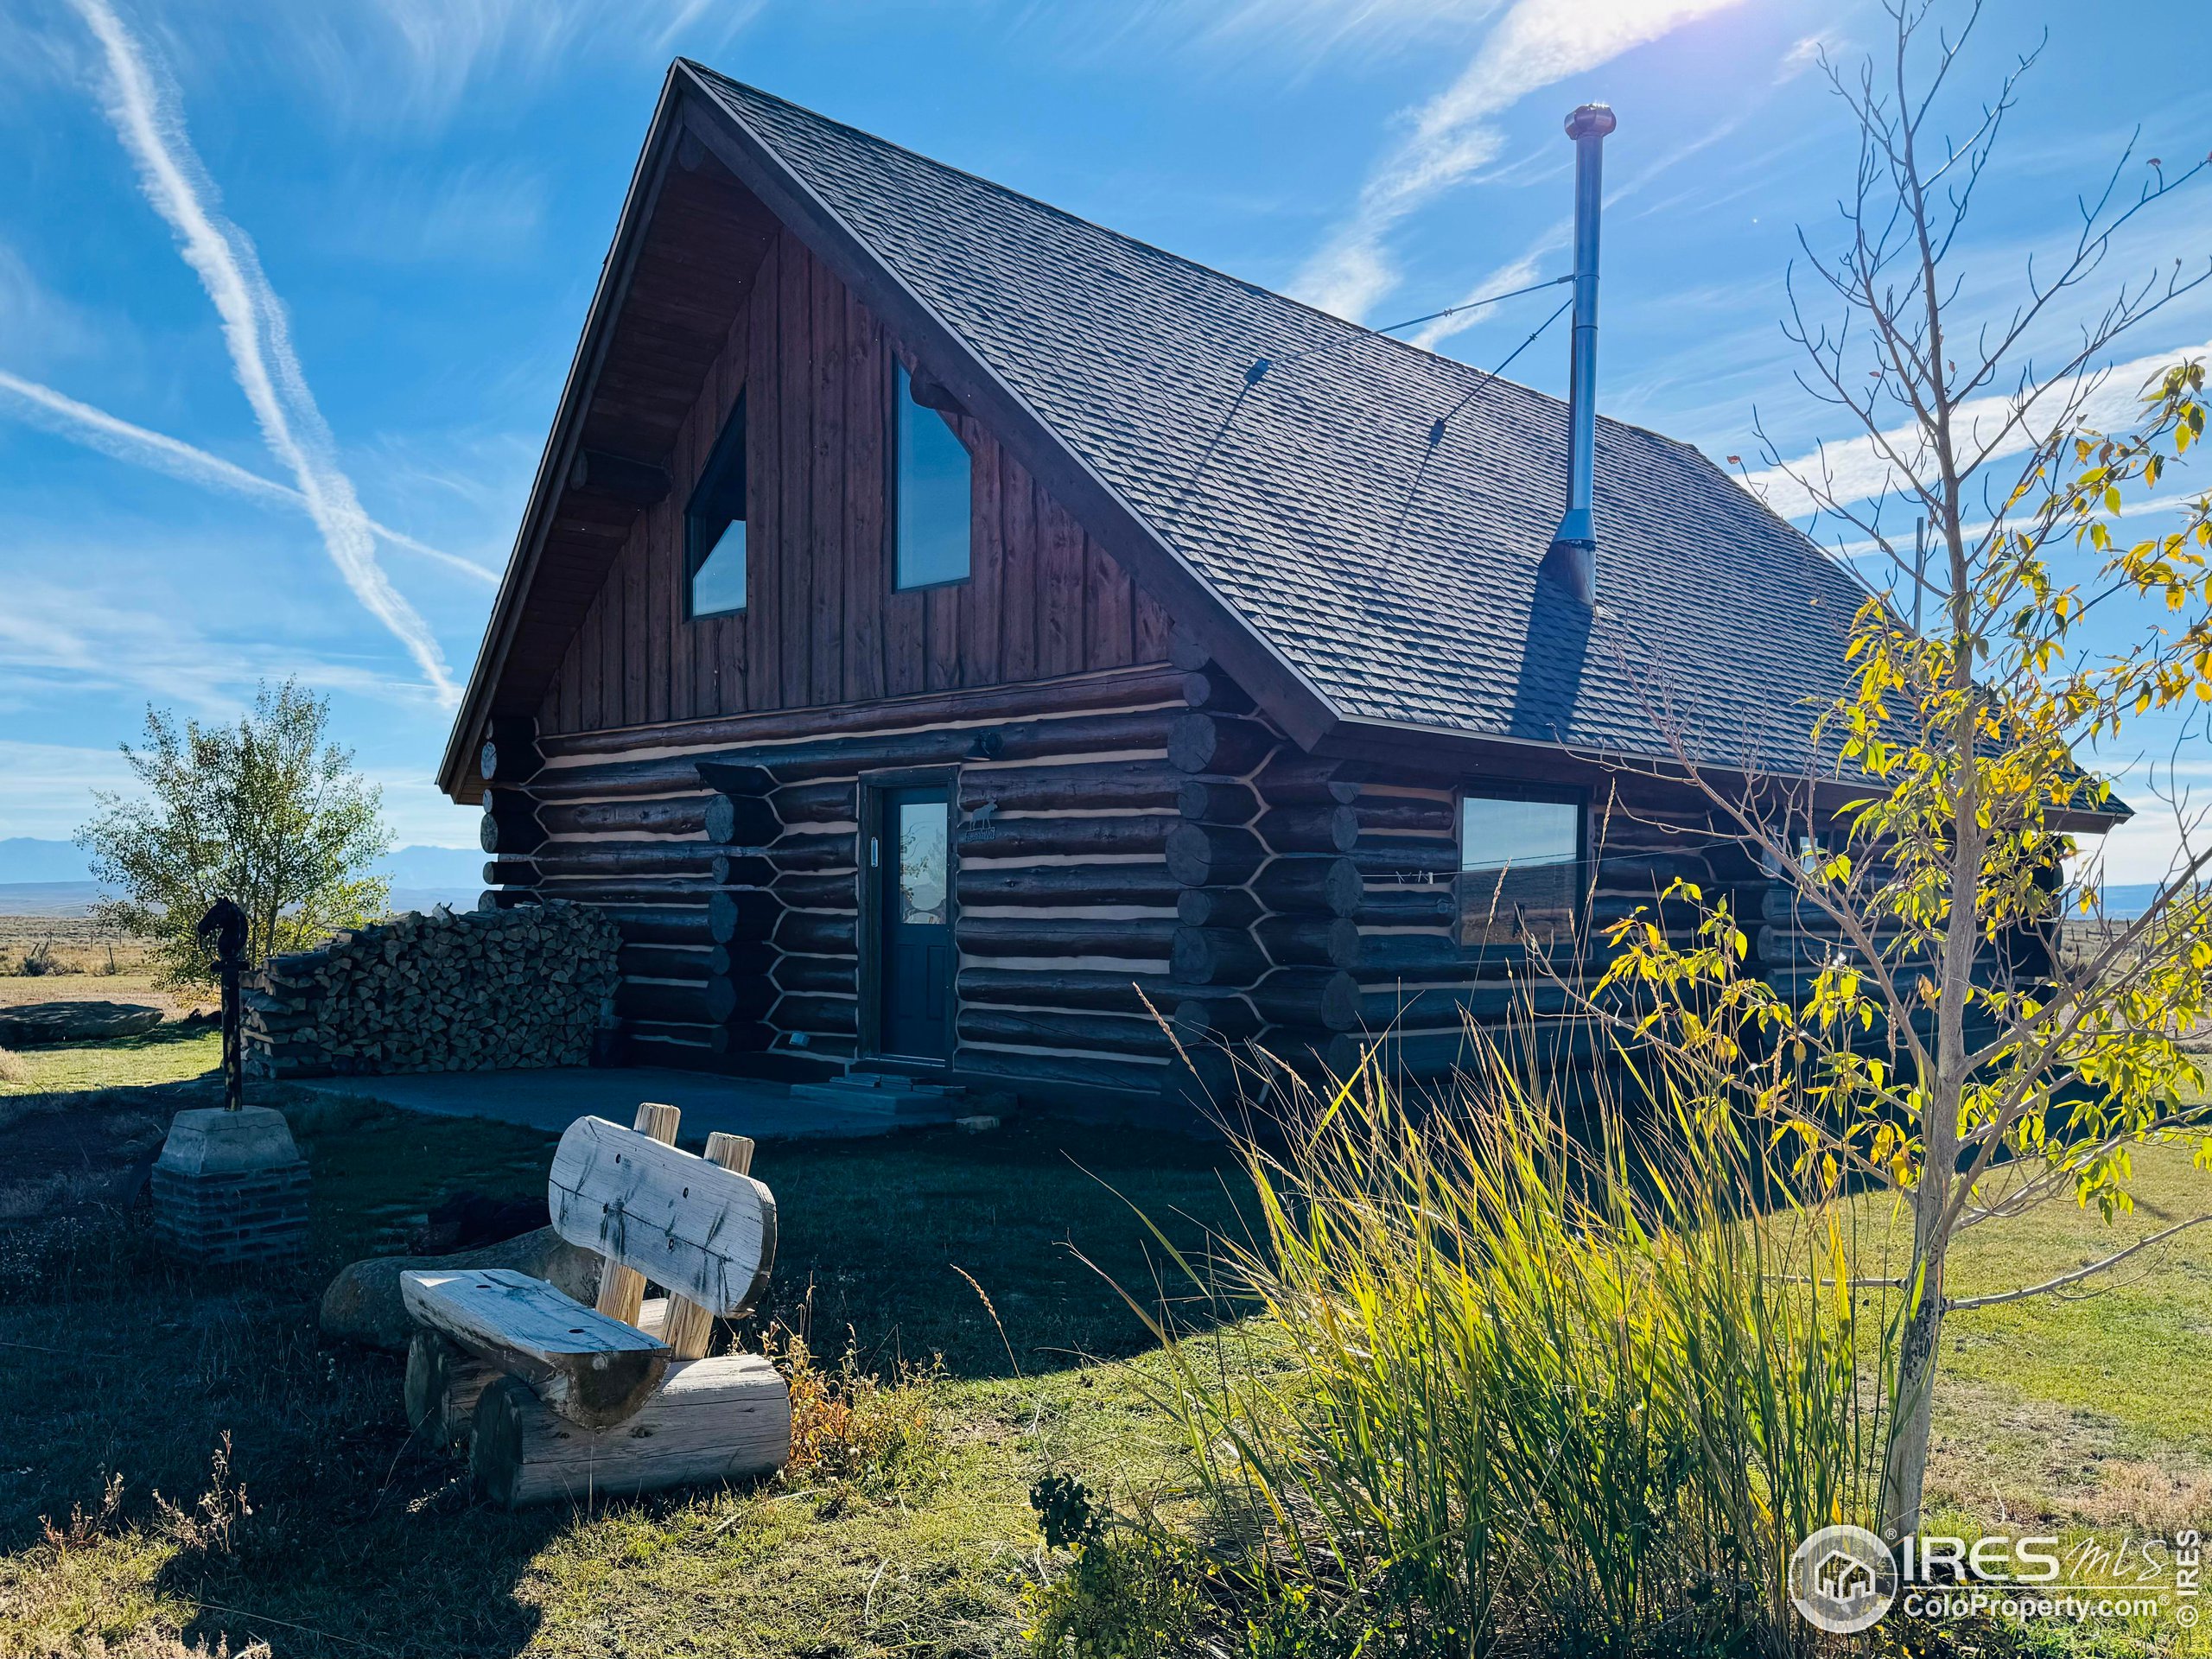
(1401, 582)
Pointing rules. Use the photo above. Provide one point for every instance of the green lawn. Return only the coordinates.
(2089, 1405)
(113, 1366)
(168, 1053)
(360, 1541)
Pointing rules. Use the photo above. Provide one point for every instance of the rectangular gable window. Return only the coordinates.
(1520, 868)
(931, 486)
(713, 525)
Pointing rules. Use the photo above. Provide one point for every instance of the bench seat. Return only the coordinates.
(593, 1370)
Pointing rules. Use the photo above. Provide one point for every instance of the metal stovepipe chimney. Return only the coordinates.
(1574, 553)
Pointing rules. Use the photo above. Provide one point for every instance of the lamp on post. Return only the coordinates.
(222, 933)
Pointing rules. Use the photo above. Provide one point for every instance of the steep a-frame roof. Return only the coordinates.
(1357, 575)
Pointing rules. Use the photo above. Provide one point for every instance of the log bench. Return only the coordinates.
(553, 1401)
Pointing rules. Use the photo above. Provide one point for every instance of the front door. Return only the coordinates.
(910, 854)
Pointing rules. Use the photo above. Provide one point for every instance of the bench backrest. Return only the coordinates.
(699, 1229)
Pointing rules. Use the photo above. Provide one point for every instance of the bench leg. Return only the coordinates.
(727, 1418)
(443, 1384)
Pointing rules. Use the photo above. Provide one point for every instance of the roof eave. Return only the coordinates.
(1451, 751)
(457, 775)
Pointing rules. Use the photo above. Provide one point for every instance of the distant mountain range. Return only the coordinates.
(22, 858)
(51, 878)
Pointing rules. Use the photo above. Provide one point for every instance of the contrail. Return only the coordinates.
(95, 429)
(256, 331)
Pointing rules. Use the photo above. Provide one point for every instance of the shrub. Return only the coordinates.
(1129, 1589)
(1585, 1390)
(848, 1428)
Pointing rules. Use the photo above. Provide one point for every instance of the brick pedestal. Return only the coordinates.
(231, 1188)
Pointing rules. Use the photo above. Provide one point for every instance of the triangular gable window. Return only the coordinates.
(713, 525)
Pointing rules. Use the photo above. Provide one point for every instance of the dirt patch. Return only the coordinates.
(2009, 1459)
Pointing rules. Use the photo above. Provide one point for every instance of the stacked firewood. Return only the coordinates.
(441, 992)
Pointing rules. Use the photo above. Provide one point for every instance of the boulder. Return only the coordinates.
(363, 1305)
(41, 1025)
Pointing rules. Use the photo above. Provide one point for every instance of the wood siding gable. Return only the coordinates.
(823, 626)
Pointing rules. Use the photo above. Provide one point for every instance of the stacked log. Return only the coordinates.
(1424, 982)
(1126, 849)
(1267, 934)
(442, 992)
(1066, 910)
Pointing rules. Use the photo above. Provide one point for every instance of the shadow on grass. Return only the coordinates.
(363, 1538)
(873, 1237)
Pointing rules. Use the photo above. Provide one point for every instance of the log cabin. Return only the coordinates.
(952, 639)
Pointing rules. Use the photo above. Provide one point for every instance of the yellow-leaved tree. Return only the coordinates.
(1967, 1027)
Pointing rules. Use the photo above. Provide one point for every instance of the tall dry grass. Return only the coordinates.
(1518, 1373)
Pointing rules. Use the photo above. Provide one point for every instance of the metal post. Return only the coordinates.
(1574, 545)
(222, 932)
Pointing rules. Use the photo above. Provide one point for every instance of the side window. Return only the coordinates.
(930, 481)
(1519, 865)
(713, 525)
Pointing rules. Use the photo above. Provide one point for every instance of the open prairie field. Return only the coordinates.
(72, 958)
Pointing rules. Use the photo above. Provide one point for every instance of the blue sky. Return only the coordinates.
(403, 204)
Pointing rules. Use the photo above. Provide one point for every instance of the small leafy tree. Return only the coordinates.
(1941, 1042)
(266, 812)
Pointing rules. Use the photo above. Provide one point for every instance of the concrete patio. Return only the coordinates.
(553, 1099)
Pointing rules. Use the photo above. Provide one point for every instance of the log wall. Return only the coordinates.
(1123, 852)
(726, 852)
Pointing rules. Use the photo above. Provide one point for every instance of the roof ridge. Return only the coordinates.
(1356, 330)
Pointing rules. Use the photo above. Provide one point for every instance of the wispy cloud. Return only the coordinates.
(1560, 235)
(1807, 54)
(1859, 469)
(33, 316)
(56, 412)
(51, 641)
(1308, 32)
(430, 209)
(146, 117)
(50, 786)
(410, 64)
(1536, 43)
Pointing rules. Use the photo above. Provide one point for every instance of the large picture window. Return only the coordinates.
(713, 525)
(1520, 864)
(931, 478)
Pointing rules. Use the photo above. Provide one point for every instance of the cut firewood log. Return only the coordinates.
(689, 1327)
(727, 1418)
(593, 1370)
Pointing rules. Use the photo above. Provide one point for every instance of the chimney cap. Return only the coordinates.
(1590, 121)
